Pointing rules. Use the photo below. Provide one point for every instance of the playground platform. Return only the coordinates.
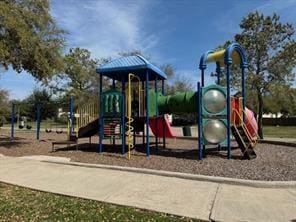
(185, 197)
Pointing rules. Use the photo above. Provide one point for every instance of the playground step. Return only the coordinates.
(251, 152)
(245, 145)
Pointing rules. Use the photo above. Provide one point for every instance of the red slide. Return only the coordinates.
(251, 122)
(160, 126)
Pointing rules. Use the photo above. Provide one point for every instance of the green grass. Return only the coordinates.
(280, 131)
(21, 204)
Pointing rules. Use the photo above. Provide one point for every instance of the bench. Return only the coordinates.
(72, 140)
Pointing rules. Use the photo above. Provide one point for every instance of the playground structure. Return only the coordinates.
(216, 122)
(130, 108)
(135, 108)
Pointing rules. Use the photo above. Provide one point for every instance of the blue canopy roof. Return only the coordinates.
(139, 66)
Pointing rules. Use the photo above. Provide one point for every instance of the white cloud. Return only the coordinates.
(228, 22)
(276, 5)
(286, 9)
(106, 27)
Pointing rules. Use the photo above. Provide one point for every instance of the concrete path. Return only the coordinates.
(191, 198)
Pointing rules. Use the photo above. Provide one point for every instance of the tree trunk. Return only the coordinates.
(260, 114)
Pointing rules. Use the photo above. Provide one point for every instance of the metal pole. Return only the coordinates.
(12, 122)
(156, 109)
(163, 123)
(218, 70)
(123, 116)
(143, 136)
(71, 115)
(38, 121)
(113, 83)
(202, 85)
(243, 90)
(134, 117)
(101, 114)
(199, 122)
(147, 114)
(202, 77)
(228, 110)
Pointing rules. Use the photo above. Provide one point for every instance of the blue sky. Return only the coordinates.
(170, 31)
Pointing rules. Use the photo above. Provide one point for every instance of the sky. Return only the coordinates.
(169, 31)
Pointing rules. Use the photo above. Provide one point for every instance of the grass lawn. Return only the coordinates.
(280, 131)
(21, 204)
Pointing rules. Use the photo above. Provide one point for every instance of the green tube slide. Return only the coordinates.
(185, 102)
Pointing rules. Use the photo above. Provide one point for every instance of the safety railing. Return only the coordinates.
(86, 114)
(253, 140)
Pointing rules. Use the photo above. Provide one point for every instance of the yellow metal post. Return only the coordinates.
(129, 132)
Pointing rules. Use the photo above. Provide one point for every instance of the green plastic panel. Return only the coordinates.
(111, 103)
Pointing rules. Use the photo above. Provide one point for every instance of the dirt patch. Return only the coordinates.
(273, 163)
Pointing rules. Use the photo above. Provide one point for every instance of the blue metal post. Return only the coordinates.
(163, 124)
(71, 115)
(228, 110)
(202, 85)
(147, 114)
(143, 136)
(123, 116)
(202, 77)
(12, 122)
(156, 109)
(199, 122)
(218, 70)
(243, 89)
(113, 83)
(101, 115)
(134, 117)
(38, 121)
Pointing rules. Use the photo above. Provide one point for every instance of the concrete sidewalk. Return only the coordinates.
(198, 199)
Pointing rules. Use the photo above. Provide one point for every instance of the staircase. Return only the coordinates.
(246, 140)
(245, 143)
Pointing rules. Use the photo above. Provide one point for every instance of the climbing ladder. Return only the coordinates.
(242, 135)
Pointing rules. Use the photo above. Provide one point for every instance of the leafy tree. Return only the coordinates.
(28, 106)
(271, 55)
(29, 37)
(4, 107)
(79, 77)
(281, 99)
(180, 84)
(169, 70)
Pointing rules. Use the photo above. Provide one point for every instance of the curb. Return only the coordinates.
(46, 158)
(214, 179)
(275, 142)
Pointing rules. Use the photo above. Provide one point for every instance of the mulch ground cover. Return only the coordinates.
(273, 162)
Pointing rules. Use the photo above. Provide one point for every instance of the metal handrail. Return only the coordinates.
(249, 136)
(130, 128)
